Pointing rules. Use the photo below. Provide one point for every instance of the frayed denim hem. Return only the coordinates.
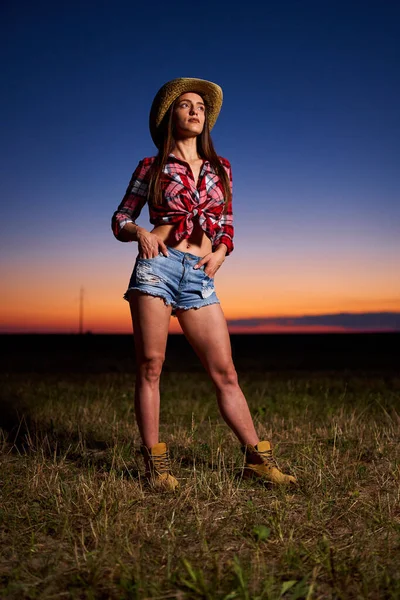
(195, 307)
(155, 294)
(168, 302)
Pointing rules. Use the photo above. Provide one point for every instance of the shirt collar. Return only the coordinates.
(206, 163)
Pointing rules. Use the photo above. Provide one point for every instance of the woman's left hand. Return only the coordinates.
(213, 261)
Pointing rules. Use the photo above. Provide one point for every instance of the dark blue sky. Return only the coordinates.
(310, 122)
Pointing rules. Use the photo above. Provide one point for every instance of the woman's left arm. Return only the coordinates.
(223, 242)
(225, 235)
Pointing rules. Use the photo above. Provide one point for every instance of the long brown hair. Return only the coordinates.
(205, 149)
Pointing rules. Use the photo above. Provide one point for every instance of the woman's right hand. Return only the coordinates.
(150, 245)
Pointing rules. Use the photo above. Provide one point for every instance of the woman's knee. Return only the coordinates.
(224, 375)
(150, 368)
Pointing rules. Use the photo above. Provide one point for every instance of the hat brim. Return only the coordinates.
(170, 91)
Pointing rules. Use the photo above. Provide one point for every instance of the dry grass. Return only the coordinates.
(78, 522)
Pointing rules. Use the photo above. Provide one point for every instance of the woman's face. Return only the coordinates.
(189, 115)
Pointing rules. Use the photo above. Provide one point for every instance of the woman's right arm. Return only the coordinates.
(131, 232)
(123, 220)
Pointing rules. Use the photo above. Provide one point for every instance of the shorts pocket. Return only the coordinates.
(202, 268)
(152, 258)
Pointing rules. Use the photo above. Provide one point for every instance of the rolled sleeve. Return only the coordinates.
(226, 232)
(133, 201)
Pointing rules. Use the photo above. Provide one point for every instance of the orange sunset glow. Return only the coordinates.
(39, 300)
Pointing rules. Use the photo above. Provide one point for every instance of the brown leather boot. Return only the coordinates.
(260, 463)
(158, 467)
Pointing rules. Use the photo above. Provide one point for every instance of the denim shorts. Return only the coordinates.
(174, 279)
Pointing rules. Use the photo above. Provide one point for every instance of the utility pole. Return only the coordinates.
(81, 311)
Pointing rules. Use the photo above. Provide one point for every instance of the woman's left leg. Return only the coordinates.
(207, 332)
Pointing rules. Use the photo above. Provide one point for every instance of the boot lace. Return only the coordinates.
(267, 456)
(161, 462)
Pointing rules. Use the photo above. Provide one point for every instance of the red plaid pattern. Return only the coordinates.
(182, 201)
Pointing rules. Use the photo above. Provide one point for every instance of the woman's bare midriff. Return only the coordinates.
(198, 243)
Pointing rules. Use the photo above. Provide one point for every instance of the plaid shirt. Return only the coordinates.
(182, 201)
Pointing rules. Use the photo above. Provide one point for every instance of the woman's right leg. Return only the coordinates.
(150, 321)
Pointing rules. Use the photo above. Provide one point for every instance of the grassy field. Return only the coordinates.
(77, 520)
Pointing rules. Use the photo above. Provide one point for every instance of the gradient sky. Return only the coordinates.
(310, 123)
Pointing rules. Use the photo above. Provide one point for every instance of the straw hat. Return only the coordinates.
(170, 91)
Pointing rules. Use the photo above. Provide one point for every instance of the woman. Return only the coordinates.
(189, 192)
